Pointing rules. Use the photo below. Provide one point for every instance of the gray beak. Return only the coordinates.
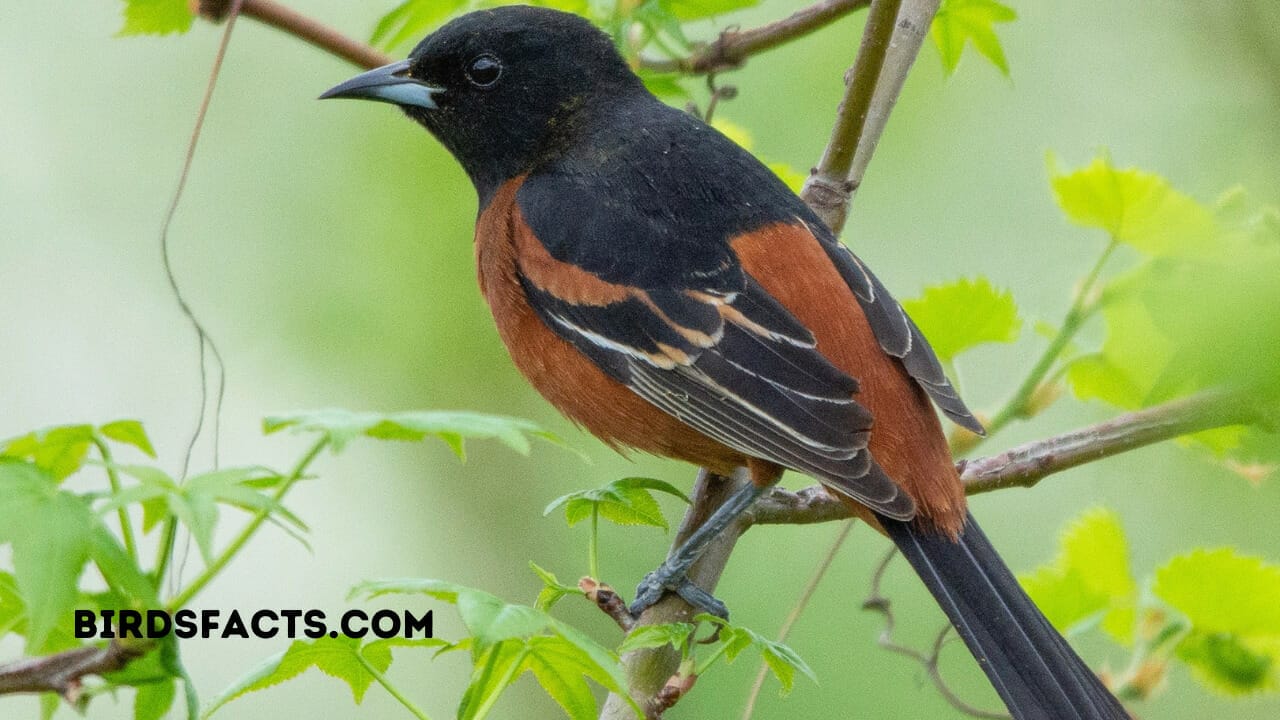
(389, 83)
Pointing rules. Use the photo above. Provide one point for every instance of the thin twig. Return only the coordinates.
(295, 23)
(203, 339)
(609, 602)
(733, 47)
(648, 670)
(801, 604)
(877, 602)
(889, 48)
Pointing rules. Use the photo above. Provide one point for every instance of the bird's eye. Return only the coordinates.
(484, 71)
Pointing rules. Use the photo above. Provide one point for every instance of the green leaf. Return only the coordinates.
(793, 178)
(663, 26)
(1223, 591)
(1232, 602)
(50, 531)
(153, 700)
(336, 657)
(781, 660)
(552, 589)
(667, 86)
(1135, 207)
(1090, 579)
(963, 314)
(562, 668)
(655, 636)
(129, 432)
(698, 9)
(340, 426)
(1227, 663)
(196, 502)
(156, 17)
(971, 21)
(411, 20)
(120, 571)
(509, 640)
(628, 501)
(60, 450)
(13, 612)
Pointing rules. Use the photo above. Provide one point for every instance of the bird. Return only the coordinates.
(664, 290)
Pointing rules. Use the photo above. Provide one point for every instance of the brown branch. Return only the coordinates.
(733, 47)
(1026, 465)
(291, 21)
(649, 670)
(62, 672)
(889, 47)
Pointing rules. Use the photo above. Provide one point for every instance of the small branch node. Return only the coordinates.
(609, 602)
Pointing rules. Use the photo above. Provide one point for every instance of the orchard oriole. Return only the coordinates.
(665, 290)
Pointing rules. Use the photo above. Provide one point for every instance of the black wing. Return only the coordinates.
(711, 347)
(896, 332)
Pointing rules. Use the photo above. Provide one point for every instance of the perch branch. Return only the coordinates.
(300, 26)
(62, 672)
(892, 38)
(734, 46)
(1028, 464)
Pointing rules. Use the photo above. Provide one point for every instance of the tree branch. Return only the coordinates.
(62, 672)
(861, 119)
(733, 47)
(1026, 465)
(291, 21)
(892, 38)
(648, 670)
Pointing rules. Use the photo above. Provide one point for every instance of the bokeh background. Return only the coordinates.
(327, 247)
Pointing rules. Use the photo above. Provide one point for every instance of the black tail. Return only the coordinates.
(1036, 672)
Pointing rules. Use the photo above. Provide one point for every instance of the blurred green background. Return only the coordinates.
(327, 247)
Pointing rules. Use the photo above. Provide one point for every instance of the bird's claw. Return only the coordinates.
(657, 583)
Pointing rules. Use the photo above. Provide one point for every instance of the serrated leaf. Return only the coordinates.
(1223, 591)
(654, 636)
(1233, 604)
(964, 314)
(336, 657)
(49, 530)
(958, 22)
(552, 589)
(341, 426)
(503, 638)
(780, 658)
(495, 668)
(562, 669)
(1135, 207)
(129, 432)
(1090, 579)
(156, 17)
(60, 450)
(628, 501)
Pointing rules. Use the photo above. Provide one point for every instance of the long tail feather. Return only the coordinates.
(1032, 667)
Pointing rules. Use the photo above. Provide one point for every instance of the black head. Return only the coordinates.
(504, 88)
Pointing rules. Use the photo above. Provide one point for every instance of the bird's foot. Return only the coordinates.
(667, 578)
